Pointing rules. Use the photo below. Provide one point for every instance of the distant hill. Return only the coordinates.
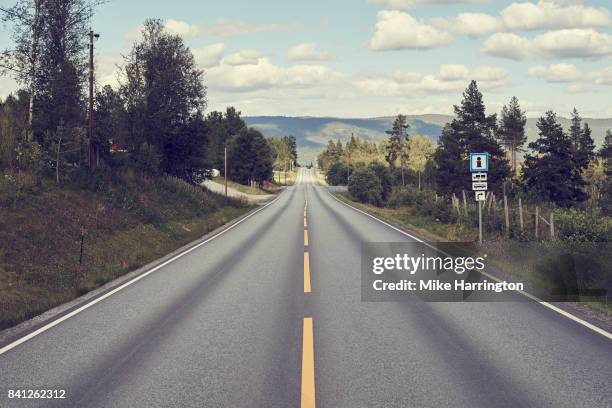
(312, 133)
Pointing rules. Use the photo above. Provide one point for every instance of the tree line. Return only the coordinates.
(154, 120)
(560, 166)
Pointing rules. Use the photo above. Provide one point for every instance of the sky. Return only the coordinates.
(370, 58)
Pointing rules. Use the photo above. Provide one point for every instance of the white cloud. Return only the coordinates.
(396, 30)
(307, 52)
(235, 27)
(264, 74)
(7, 86)
(527, 16)
(574, 43)
(219, 29)
(209, 56)
(568, 73)
(552, 15)
(407, 4)
(107, 69)
(244, 57)
(183, 28)
(406, 76)
(132, 36)
(450, 78)
(490, 75)
(508, 45)
(470, 24)
(453, 72)
(556, 73)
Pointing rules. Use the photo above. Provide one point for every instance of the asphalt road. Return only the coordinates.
(229, 325)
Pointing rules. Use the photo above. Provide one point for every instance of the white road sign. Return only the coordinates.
(480, 195)
(479, 176)
(480, 186)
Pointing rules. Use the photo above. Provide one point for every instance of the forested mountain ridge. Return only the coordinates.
(312, 133)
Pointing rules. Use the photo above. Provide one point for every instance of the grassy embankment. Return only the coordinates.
(512, 258)
(244, 189)
(127, 222)
(427, 228)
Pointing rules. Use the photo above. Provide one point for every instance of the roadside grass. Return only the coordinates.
(241, 187)
(127, 222)
(321, 178)
(284, 178)
(518, 265)
(426, 227)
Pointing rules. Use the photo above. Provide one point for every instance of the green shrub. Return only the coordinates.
(336, 175)
(580, 226)
(384, 175)
(17, 191)
(365, 186)
(423, 203)
(403, 196)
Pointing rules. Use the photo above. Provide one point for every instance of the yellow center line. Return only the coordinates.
(308, 381)
(305, 237)
(306, 273)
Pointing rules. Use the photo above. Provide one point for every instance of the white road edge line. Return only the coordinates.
(87, 305)
(530, 296)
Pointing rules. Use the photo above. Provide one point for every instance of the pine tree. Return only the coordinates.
(511, 131)
(472, 131)
(550, 171)
(585, 151)
(397, 144)
(575, 129)
(583, 145)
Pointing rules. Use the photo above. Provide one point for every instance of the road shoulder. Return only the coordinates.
(578, 310)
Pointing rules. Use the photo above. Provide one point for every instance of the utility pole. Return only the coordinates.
(93, 147)
(225, 167)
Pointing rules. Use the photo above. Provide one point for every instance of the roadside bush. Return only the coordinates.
(16, 191)
(365, 186)
(336, 175)
(423, 203)
(384, 175)
(403, 196)
(579, 226)
(439, 209)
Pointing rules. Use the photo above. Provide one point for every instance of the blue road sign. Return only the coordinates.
(479, 162)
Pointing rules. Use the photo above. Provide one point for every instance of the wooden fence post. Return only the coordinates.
(537, 221)
(506, 214)
(494, 208)
(552, 224)
(521, 213)
(456, 204)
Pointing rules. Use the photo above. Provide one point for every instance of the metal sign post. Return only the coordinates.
(479, 166)
(480, 222)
